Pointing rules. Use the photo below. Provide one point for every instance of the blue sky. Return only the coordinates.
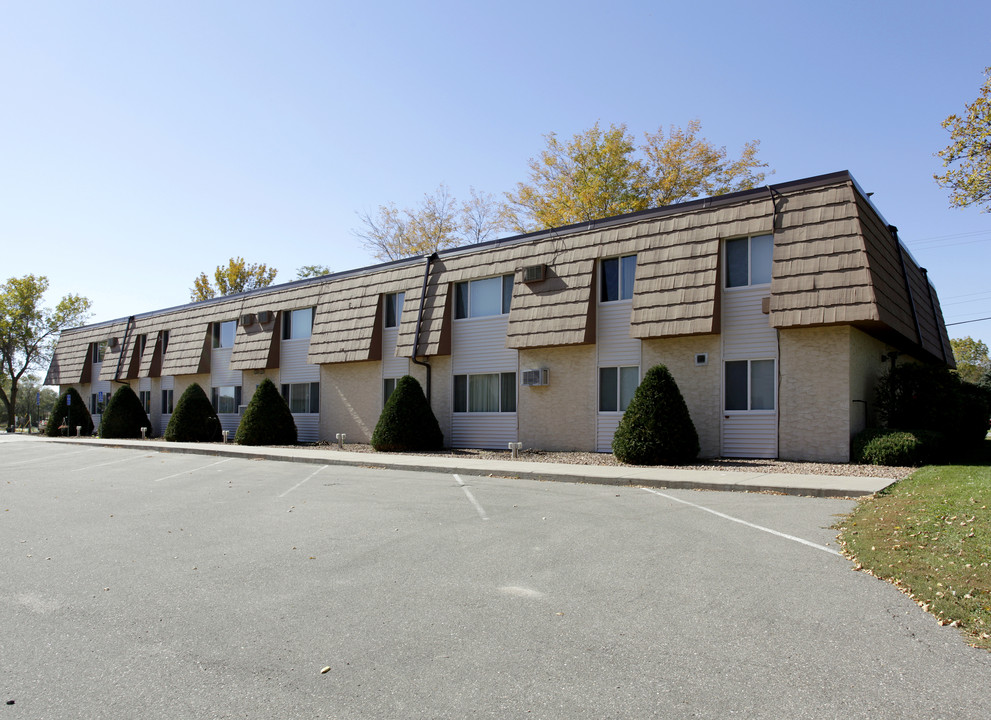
(141, 143)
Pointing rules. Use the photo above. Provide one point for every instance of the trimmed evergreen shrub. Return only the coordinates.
(72, 414)
(267, 419)
(193, 418)
(656, 428)
(407, 423)
(877, 446)
(123, 417)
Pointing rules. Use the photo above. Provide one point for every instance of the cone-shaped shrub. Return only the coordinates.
(656, 428)
(73, 414)
(194, 419)
(123, 417)
(267, 419)
(407, 423)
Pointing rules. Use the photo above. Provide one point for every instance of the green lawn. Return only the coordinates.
(931, 536)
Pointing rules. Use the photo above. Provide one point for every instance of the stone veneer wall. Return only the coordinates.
(699, 385)
(560, 415)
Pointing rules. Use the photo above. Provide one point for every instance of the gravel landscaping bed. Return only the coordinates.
(732, 464)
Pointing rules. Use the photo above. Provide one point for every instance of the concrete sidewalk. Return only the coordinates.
(656, 477)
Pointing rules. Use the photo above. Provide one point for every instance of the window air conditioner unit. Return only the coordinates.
(247, 319)
(534, 273)
(265, 316)
(113, 342)
(535, 378)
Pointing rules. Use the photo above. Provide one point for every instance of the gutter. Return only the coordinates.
(419, 321)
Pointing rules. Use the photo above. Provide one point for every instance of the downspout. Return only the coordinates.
(123, 346)
(419, 320)
(777, 332)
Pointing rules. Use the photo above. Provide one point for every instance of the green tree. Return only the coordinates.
(601, 173)
(29, 391)
(308, 271)
(124, 416)
(439, 221)
(194, 419)
(71, 411)
(267, 420)
(237, 276)
(968, 156)
(972, 358)
(407, 423)
(656, 428)
(29, 331)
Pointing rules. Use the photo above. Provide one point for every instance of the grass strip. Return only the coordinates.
(930, 535)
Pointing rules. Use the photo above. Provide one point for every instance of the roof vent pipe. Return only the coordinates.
(419, 320)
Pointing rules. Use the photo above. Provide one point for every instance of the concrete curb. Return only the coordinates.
(826, 486)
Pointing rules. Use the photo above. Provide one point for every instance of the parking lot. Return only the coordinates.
(140, 584)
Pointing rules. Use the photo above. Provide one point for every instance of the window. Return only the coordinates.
(749, 385)
(99, 349)
(485, 392)
(298, 324)
(142, 344)
(388, 387)
(302, 397)
(617, 278)
(223, 334)
(226, 399)
(748, 261)
(165, 341)
(393, 308)
(145, 397)
(97, 402)
(616, 387)
(167, 402)
(481, 298)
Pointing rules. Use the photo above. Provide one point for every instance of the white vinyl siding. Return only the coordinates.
(479, 348)
(614, 349)
(749, 426)
(221, 376)
(392, 367)
(168, 394)
(294, 369)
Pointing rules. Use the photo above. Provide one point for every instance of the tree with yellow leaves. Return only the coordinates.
(601, 173)
(237, 276)
(970, 152)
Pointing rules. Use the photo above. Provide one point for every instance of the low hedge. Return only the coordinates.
(877, 446)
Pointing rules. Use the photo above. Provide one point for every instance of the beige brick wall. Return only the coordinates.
(866, 368)
(184, 381)
(350, 400)
(699, 385)
(441, 390)
(814, 394)
(560, 415)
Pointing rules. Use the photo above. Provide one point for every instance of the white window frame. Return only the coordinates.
(222, 331)
(750, 387)
(292, 324)
(99, 351)
(463, 308)
(462, 405)
(621, 408)
(750, 261)
(392, 309)
(624, 286)
(168, 405)
(215, 398)
(311, 392)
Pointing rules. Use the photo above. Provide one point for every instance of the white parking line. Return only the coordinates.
(322, 467)
(45, 458)
(748, 524)
(471, 498)
(112, 462)
(203, 467)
